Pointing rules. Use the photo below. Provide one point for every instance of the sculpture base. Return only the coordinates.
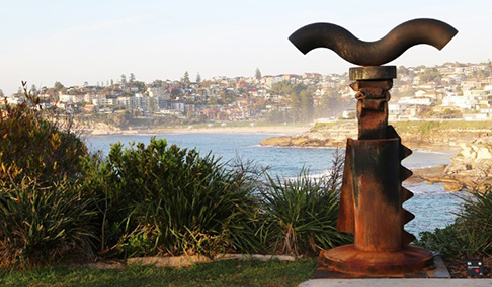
(348, 262)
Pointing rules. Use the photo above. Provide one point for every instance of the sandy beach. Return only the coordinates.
(283, 130)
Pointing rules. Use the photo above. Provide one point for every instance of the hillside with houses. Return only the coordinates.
(450, 91)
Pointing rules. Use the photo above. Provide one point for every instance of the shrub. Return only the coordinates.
(471, 234)
(166, 200)
(447, 241)
(40, 225)
(301, 214)
(475, 222)
(34, 147)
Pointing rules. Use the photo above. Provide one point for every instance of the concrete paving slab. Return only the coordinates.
(404, 282)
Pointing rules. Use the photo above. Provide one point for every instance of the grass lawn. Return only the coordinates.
(221, 273)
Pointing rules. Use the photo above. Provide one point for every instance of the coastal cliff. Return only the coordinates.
(430, 135)
(319, 136)
(471, 168)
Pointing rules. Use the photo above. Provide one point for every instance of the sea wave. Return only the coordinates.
(299, 147)
(429, 151)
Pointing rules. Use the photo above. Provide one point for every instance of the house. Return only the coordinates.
(426, 86)
(420, 93)
(78, 98)
(415, 110)
(156, 92)
(470, 84)
(103, 102)
(423, 101)
(464, 102)
(398, 108)
(66, 98)
(89, 108)
(348, 114)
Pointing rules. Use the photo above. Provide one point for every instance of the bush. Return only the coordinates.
(40, 225)
(34, 147)
(471, 234)
(447, 241)
(161, 199)
(301, 214)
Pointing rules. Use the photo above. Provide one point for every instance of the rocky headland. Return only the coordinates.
(471, 168)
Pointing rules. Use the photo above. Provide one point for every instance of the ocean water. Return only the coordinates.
(432, 205)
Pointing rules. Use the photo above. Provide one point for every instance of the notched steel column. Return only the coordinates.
(372, 195)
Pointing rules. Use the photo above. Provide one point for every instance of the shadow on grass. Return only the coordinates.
(222, 273)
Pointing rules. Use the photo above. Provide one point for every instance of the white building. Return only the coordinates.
(464, 102)
(398, 108)
(103, 102)
(423, 101)
(348, 114)
(156, 92)
(479, 97)
(66, 98)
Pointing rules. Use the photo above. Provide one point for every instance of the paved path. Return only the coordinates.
(397, 282)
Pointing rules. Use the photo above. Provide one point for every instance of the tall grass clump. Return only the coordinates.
(161, 199)
(301, 213)
(471, 234)
(41, 225)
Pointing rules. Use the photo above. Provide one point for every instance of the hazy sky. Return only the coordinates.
(94, 41)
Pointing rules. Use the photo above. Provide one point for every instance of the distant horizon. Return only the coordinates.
(94, 41)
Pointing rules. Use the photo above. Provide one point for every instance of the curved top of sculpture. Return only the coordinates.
(404, 36)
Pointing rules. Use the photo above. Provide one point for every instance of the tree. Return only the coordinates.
(430, 75)
(295, 103)
(123, 79)
(198, 78)
(112, 82)
(1, 93)
(276, 116)
(186, 78)
(307, 105)
(152, 104)
(257, 74)
(330, 103)
(132, 78)
(286, 88)
(58, 86)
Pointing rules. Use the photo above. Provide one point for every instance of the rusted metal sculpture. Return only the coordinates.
(372, 193)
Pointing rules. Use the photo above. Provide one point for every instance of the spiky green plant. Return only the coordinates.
(40, 225)
(475, 221)
(301, 214)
